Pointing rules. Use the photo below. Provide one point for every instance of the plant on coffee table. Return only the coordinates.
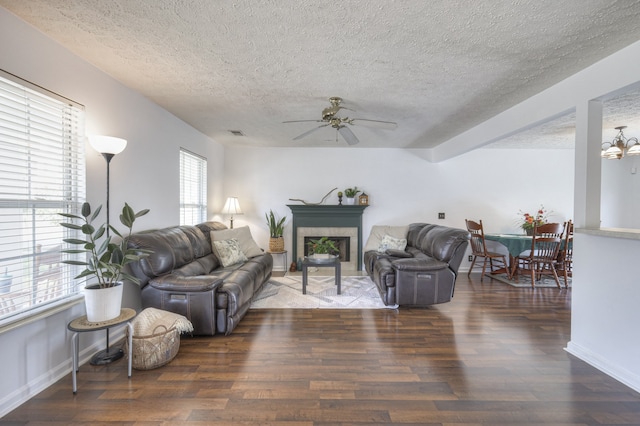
(323, 246)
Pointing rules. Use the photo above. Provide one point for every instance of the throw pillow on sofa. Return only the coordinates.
(390, 243)
(243, 235)
(229, 252)
(379, 231)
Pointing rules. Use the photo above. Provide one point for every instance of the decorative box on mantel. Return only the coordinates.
(339, 221)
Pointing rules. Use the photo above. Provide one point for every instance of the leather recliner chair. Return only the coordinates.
(425, 272)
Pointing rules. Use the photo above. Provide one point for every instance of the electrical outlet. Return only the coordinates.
(440, 215)
(470, 258)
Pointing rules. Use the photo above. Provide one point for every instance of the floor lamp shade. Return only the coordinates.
(107, 144)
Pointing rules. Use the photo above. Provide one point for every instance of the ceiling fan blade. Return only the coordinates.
(304, 121)
(388, 125)
(348, 135)
(308, 132)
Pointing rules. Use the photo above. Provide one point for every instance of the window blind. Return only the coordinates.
(193, 188)
(42, 173)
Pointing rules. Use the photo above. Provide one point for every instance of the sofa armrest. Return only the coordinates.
(398, 253)
(415, 264)
(174, 282)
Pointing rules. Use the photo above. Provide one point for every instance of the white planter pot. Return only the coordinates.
(103, 304)
(320, 256)
(350, 201)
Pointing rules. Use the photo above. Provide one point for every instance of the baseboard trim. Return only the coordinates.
(42, 382)
(622, 375)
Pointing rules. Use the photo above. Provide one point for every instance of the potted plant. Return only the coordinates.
(322, 248)
(351, 193)
(105, 260)
(276, 230)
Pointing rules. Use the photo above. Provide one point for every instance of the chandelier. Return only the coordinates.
(620, 146)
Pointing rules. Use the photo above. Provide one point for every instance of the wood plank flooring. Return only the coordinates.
(494, 355)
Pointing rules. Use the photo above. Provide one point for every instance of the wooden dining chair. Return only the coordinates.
(565, 254)
(479, 249)
(543, 257)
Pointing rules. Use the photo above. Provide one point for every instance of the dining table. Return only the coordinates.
(515, 244)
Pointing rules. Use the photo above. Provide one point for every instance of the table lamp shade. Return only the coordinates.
(232, 206)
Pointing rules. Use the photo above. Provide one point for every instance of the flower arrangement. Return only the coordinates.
(529, 221)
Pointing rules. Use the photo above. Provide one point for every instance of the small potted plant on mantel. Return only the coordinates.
(351, 193)
(322, 248)
(105, 260)
(276, 230)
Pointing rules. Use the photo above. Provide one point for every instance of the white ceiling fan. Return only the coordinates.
(330, 118)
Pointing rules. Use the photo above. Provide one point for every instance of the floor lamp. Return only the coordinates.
(108, 146)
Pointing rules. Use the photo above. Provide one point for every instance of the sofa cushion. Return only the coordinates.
(170, 248)
(229, 252)
(243, 234)
(379, 231)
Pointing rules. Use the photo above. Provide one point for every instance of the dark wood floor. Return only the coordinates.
(494, 355)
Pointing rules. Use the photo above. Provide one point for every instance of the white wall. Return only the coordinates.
(620, 207)
(605, 301)
(145, 174)
(489, 184)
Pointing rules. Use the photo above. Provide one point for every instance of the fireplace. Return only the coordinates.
(342, 223)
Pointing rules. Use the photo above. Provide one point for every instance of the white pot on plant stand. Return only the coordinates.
(103, 304)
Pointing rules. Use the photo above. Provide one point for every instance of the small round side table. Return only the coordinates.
(81, 325)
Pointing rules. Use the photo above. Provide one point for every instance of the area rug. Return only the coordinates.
(524, 281)
(286, 293)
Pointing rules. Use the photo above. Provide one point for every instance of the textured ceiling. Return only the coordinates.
(436, 68)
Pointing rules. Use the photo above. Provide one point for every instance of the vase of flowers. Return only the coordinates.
(529, 221)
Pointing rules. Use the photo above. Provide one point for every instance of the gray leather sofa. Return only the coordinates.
(183, 275)
(425, 272)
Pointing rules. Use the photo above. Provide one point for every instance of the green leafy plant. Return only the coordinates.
(351, 192)
(323, 245)
(105, 259)
(276, 227)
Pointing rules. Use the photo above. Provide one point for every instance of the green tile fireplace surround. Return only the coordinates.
(327, 216)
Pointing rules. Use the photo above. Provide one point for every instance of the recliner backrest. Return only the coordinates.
(441, 242)
(171, 248)
(413, 234)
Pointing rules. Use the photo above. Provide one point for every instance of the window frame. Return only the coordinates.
(193, 188)
(42, 154)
